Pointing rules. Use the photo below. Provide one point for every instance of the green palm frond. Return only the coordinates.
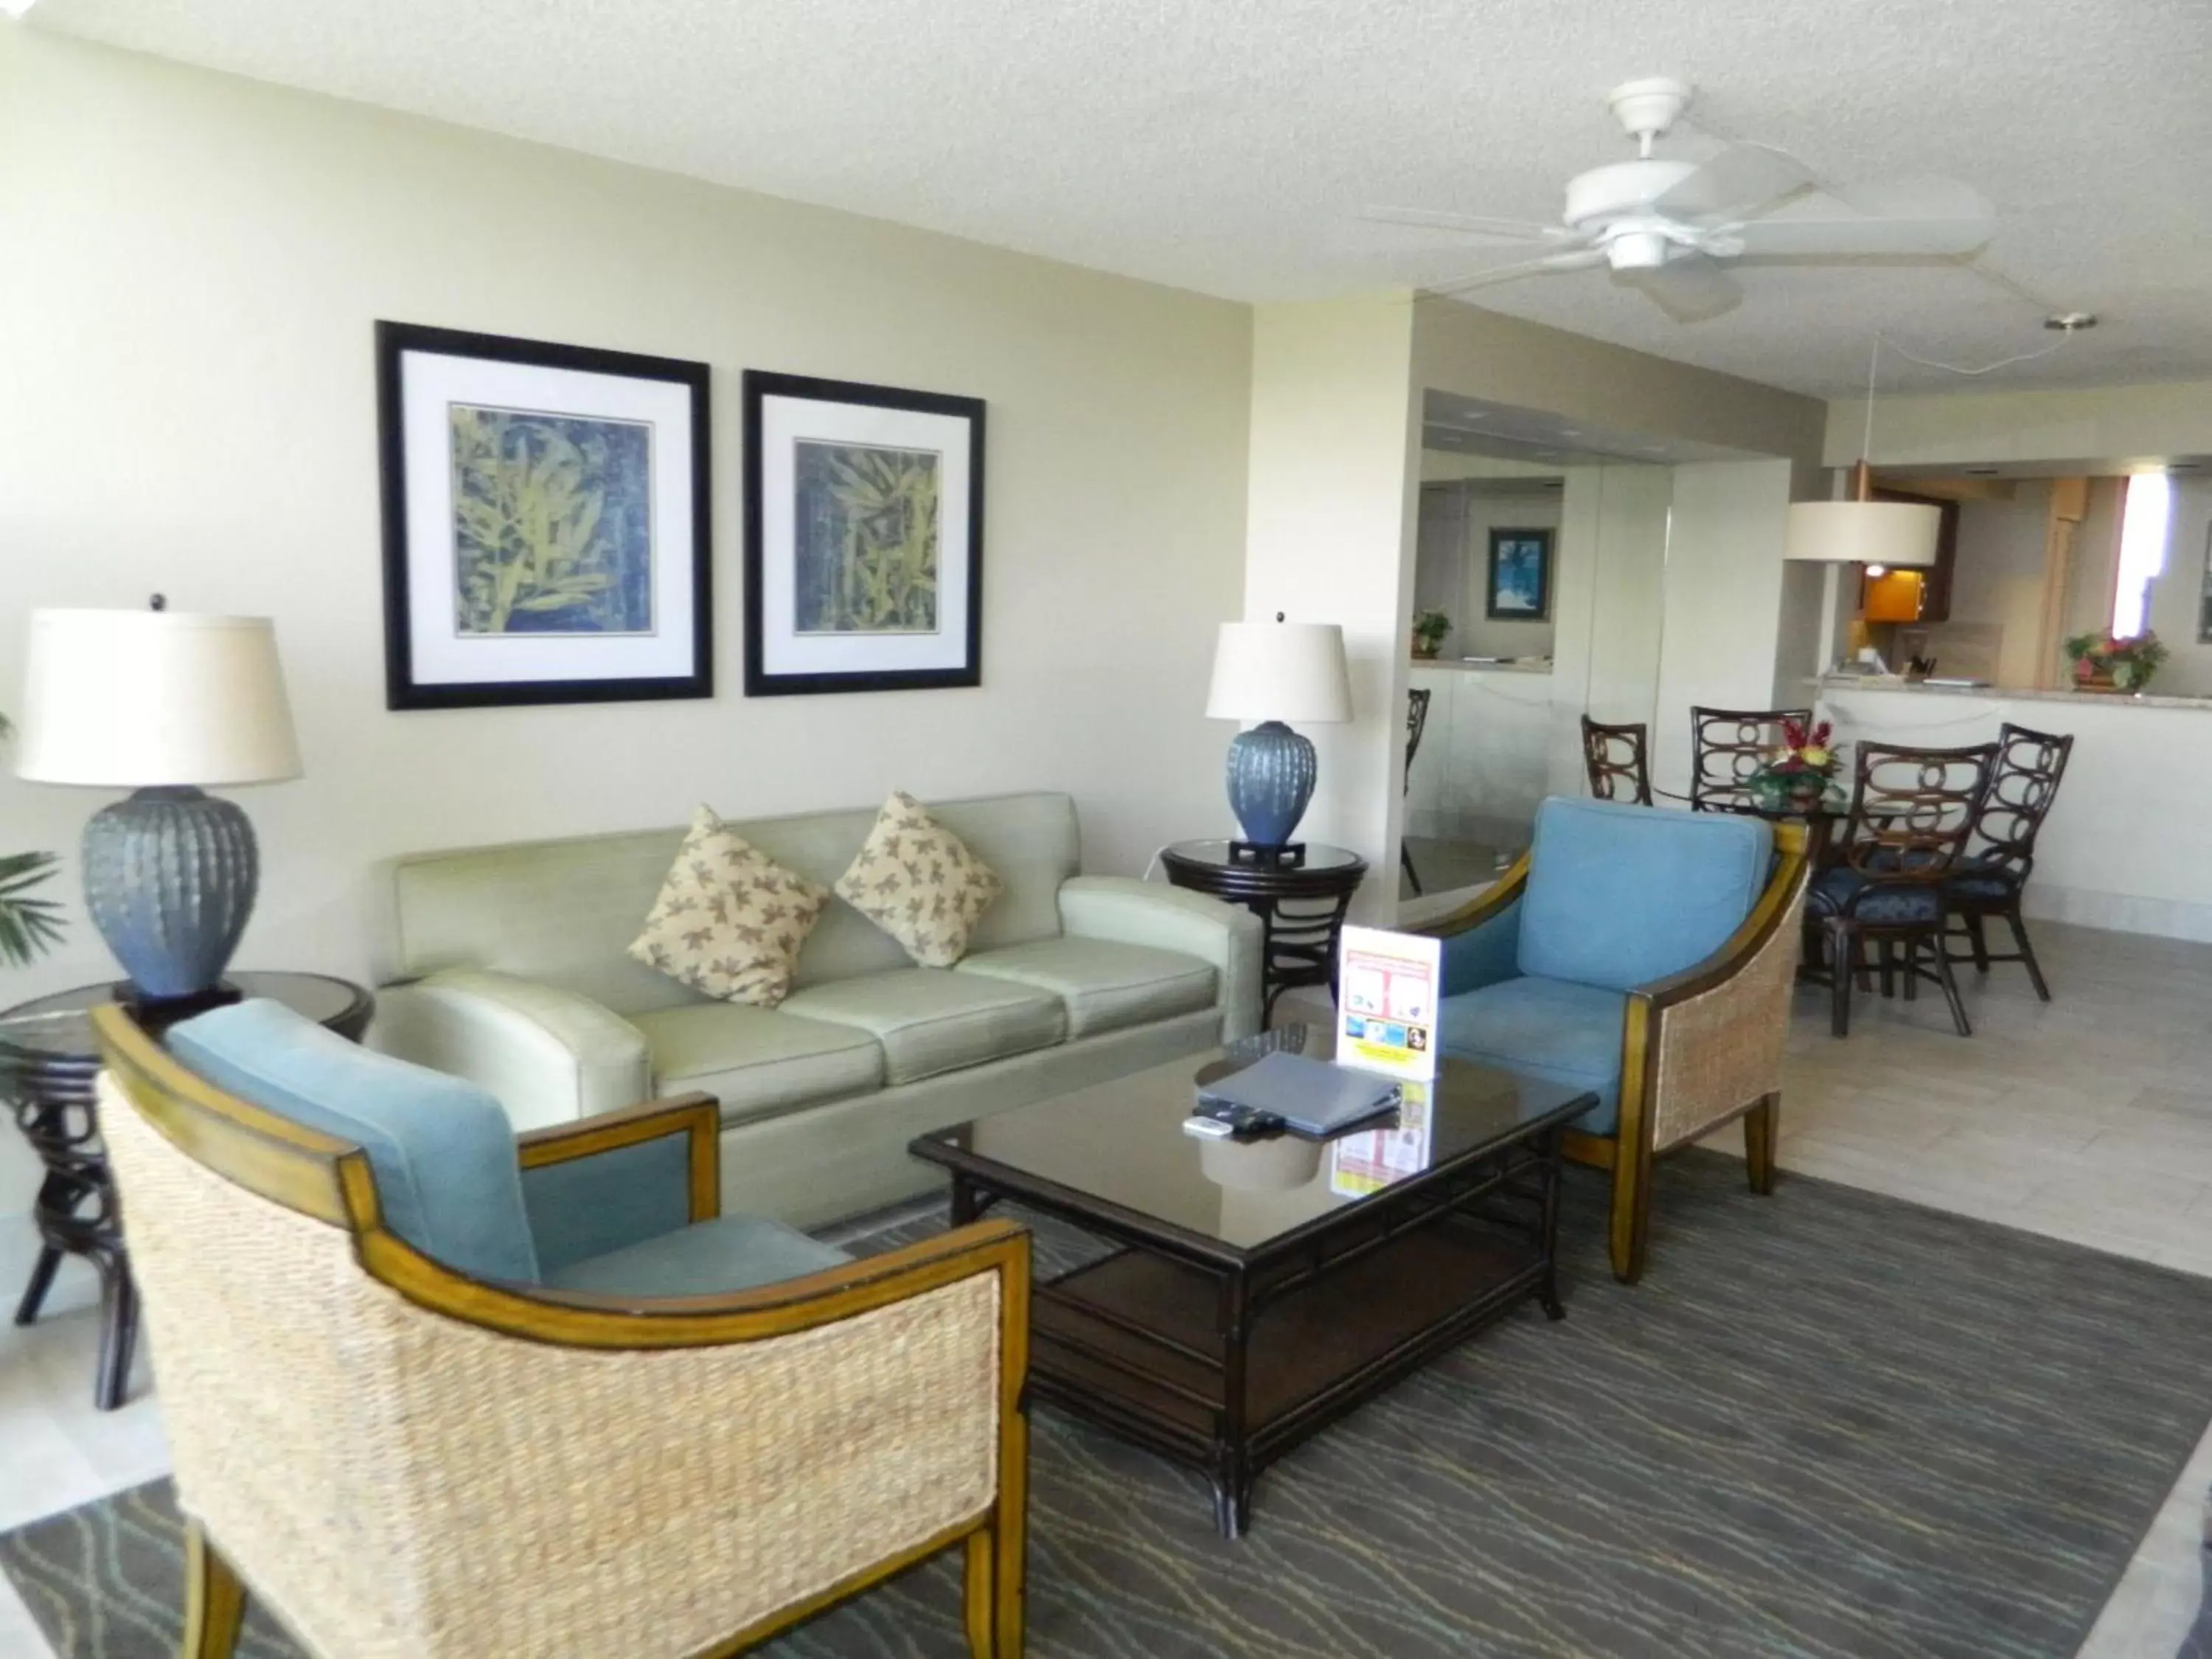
(28, 925)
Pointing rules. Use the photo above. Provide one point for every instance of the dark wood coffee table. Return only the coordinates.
(1265, 1288)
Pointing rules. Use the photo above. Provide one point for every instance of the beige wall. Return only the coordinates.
(1479, 354)
(1335, 459)
(2092, 423)
(1998, 583)
(190, 265)
(1724, 603)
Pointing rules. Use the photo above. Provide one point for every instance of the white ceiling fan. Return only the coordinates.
(1666, 225)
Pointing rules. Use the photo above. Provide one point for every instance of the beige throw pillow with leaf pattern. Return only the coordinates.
(729, 920)
(918, 882)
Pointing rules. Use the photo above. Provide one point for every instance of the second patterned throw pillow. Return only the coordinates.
(918, 882)
(729, 920)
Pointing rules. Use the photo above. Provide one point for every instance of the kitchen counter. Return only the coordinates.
(1838, 684)
(2124, 845)
(1523, 665)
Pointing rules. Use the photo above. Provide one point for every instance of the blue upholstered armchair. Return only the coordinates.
(1645, 955)
(431, 1392)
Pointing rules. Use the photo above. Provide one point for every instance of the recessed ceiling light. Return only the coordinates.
(1982, 471)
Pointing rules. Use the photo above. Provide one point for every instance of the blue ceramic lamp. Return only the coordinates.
(167, 705)
(1276, 672)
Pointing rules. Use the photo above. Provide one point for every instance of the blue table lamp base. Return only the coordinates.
(169, 877)
(1271, 778)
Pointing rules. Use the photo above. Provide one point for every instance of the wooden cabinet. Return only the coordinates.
(1904, 596)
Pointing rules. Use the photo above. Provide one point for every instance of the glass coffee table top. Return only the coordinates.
(1121, 1144)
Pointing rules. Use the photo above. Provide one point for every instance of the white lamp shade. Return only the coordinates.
(1863, 533)
(1276, 670)
(133, 699)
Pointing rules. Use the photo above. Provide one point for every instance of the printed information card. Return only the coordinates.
(1387, 990)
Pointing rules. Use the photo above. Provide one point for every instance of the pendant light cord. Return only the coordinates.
(1874, 361)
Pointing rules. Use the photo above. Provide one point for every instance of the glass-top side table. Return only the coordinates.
(49, 1061)
(1301, 906)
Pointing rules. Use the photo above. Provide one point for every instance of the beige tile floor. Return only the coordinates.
(2090, 1120)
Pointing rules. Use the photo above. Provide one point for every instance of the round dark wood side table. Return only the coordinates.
(48, 1061)
(1301, 906)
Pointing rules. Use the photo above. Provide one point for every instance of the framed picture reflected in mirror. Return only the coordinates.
(1519, 588)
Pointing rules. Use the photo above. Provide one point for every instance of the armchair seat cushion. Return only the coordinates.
(929, 1021)
(1103, 985)
(1833, 892)
(731, 1253)
(1551, 1030)
(758, 1062)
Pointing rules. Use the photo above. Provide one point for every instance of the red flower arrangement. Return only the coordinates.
(1806, 748)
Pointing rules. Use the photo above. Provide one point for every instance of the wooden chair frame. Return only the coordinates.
(1900, 839)
(1630, 1151)
(1755, 734)
(1417, 722)
(2030, 767)
(1615, 756)
(329, 1179)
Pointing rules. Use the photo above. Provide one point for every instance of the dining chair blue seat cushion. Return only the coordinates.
(1833, 890)
(1984, 877)
(731, 1253)
(439, 1147)
(1551, 1030)
(1619, 896)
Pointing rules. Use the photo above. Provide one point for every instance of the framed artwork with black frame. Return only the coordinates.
(864, 537)
(547, 535)
(1520, 584)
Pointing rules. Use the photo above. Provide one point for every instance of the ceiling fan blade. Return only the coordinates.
(1467, 224)
(1928, 217)
(1579, 258)
(1689, 289)
(1740, 177)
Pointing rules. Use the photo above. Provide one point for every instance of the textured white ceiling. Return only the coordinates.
(1225, 145)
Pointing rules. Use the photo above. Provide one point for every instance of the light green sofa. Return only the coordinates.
(506, 965)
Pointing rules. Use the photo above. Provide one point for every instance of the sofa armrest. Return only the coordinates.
(1133, 912)
(621, 1177)
(548, 1056)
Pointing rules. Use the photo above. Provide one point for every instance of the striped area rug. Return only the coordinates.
(1828, 1425)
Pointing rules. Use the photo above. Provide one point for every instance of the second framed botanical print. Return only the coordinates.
(864, 537)
(545, 522)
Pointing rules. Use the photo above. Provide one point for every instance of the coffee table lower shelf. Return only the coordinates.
(1141, 1344)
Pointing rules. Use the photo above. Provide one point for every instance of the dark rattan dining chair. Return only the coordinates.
(1619, 761)
(1728, 746)
(1913, 811)
(2000, 855)
(1417, 721)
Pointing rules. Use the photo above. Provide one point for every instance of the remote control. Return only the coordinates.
(1207, 1129)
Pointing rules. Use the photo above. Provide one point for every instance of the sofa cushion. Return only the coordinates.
(756, 1061)
(918, 882)
(440, 1148)
(729, 920)
(1619, 896)
(1549, 1028)
(731, 1253)
(929, 1021)
(1104, 985)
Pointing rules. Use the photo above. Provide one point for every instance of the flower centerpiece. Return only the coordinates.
(1798, 775)
(1430, 628)
(2102, 662)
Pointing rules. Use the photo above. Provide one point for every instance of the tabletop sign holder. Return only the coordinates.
(1388, 989)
